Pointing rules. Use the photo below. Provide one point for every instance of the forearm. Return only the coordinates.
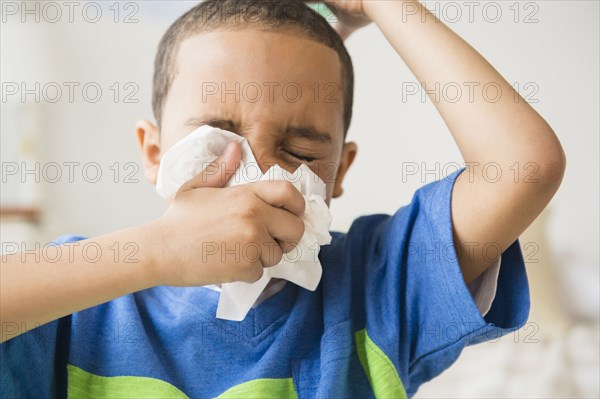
(40, 286)
(492, 124)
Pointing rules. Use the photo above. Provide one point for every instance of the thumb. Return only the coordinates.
(219, 171)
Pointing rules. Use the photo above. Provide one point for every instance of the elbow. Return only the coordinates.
(551, 164)
(554, 165)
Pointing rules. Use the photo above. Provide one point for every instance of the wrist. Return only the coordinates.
(150, 241)
(369, 9)
(374, 9)
(344, 32)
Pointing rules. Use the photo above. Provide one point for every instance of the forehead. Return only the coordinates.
(257, 73)
(259, 54)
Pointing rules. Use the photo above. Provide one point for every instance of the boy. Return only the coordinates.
(400, 295)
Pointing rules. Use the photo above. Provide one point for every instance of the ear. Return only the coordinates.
(149, 140)
(348, 154)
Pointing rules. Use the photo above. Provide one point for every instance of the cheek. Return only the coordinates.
(329, 194)
(167, 139)
(327, 171)
(171, 135)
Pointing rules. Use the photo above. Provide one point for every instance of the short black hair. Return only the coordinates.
(211, 15)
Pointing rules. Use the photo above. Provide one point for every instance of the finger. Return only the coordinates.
(250, 272)
(219, 171)
(280, 194)
(285, 227)
(263, 249)
(271, 253)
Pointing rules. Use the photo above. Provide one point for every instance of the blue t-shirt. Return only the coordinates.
(391, 312)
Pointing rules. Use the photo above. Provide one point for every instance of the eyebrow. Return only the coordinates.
(307, 132)
(222, 123)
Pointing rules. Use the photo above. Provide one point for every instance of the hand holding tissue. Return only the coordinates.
(188, 157)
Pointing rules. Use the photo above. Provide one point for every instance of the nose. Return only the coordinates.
(266, 160)
(265, 147)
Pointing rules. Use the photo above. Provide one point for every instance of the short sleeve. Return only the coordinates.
(483, 288)
(419, 310)
(33, 364)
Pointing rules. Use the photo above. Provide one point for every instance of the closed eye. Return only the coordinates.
(222, 124)
(301, 157)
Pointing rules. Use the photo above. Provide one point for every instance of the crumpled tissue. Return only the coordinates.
(196, 151)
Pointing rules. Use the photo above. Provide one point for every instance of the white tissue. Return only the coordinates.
(301, 266)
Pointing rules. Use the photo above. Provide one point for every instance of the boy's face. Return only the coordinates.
(278, 89)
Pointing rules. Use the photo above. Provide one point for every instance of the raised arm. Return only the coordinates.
(499, 135)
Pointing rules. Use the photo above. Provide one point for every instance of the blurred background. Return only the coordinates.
(77, 75)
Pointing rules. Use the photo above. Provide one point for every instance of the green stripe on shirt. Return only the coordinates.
(380, 370)
(82, 384)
